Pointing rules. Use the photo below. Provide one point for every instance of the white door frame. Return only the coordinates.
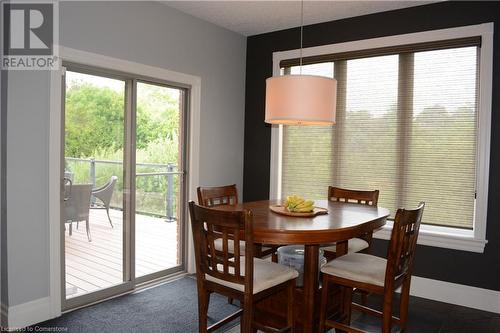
(55, 149)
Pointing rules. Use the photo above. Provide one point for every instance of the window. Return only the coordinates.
(407, 124)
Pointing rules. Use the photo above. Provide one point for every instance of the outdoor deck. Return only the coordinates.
(91, 266)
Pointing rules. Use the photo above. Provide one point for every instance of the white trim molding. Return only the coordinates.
(124, 66)
(448, 238)
(458, 294)
(28, 313)
(54, 193)
(452, 238)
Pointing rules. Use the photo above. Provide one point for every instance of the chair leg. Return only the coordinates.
(87, 224)
(77, 225)
(71, 228)
(203, 302)
(274, 257)
(324, 303)
(387, 312)
(109, 218)
(346, 305)
(403, 304)
(290, 319)
(247, 317)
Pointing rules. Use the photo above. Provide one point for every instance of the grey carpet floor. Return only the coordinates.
(168, 308)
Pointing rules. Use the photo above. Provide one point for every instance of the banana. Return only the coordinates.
(294, 203)
(305, 210)
(304, 204)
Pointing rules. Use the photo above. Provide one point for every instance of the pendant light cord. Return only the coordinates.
(301, 31)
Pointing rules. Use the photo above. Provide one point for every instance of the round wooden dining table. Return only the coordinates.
(343, 222)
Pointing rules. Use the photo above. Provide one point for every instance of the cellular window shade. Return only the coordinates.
(366, 155)
(306, 161)
(406, 125)
(442, 136)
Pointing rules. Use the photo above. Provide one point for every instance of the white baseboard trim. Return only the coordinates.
(458, 294)
(29, 313)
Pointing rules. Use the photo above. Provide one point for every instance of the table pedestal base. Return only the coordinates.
(272, 310)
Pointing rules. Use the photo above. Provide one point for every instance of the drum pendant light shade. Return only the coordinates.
(301, 100)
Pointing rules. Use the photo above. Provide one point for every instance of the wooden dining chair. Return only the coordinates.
(362, 243)
(376, 275)
(228, 196)
(235, 275)
(218, 195)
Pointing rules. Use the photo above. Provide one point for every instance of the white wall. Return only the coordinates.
(144, 32)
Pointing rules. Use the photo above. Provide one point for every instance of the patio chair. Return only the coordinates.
(76, 206)
(104, 194)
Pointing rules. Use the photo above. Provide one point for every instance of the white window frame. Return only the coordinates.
(446, 237)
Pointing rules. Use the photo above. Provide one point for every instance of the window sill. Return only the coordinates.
(448, 238)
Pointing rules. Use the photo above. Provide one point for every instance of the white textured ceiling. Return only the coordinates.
(256, 17)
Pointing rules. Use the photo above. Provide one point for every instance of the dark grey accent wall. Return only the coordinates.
(474, 269)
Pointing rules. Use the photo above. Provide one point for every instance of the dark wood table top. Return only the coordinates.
(343, 221)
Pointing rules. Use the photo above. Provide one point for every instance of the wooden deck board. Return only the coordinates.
(95, 265)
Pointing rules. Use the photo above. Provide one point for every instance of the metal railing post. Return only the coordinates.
(92, 177)
(170, 192)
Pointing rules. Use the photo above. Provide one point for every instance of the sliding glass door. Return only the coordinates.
(159, 177)
(93, 159)
(123, 208)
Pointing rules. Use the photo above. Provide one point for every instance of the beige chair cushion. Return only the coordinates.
(265, 275)
(230, 245)
(353, 245)
(358, 267)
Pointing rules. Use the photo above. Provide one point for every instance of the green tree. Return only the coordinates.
(94, 120)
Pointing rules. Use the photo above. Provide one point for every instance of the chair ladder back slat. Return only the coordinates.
(354, 196)
(237, 254)
(210, 241)
(225, 250)
(403, 242)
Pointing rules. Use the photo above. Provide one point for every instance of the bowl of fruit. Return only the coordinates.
(298, 206)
